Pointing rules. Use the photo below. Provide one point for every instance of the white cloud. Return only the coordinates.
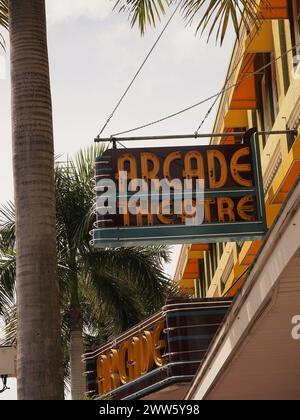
(2, 67)
(65, 10)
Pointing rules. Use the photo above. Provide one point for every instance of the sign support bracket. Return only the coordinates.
(191, 136)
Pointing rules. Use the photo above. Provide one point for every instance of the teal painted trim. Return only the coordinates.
(191, 337)
(102, 244)
(177, 234)
(149, 375)
(158, 386)
(164, 231)
(207, 193)
(258, 177)
(187, 314)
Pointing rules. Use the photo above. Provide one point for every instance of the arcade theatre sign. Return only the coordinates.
(161, 351)
(176, 195)
(135, 357)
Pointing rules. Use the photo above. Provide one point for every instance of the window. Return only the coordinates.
(231, 139)
(197, 289)
(275, 93)
(267, 93)
(266, 104)
(202, 278)
(214, 258)
(294, 16)
(254, 118)
(208, 276)
(283, 50)
(211, 261)
(239, 246)
(220, 250)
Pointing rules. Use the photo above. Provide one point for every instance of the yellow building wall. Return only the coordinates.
(281, 166)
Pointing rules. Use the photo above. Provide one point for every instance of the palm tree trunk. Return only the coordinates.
(39, 372)
(76, 352)
(76, 336)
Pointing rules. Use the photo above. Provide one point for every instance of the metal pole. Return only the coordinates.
(190, 136)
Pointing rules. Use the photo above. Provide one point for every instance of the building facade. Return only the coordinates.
(262, 91)
(238, 337)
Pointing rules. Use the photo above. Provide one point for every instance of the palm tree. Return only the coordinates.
(39, 364)
(108, 290)
(214, 15)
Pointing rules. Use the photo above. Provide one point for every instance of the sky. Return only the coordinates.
(93, 55)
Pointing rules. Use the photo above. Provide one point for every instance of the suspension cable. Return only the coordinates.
(228, 78)
(139, 70)
(175, 114)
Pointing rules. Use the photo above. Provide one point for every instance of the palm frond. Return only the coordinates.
(141, 267)
(213, 15)
(7, 226)
(83, 162)
(10, 329)
(75, 191)
(118, 300)
(5, 301)
(7, 257)
(3, 20)
(8, 272)
(143, 12)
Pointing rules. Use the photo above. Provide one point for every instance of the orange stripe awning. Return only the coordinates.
(260, 39)
(274, 9)
(244, 96)
(191, 270)
(230, 139)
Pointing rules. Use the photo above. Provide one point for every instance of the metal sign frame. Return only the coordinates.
(128, 236)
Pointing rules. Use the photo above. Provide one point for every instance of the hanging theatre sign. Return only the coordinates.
(162, 353)
(174, 195)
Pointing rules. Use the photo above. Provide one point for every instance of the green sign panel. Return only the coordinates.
(176, 195)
